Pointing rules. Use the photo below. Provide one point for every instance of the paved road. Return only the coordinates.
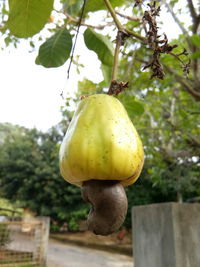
(63, 255)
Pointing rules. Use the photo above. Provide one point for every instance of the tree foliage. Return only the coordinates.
(29, 174)
(144, 47)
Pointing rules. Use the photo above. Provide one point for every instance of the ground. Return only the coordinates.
(67, 255)
(120, 242)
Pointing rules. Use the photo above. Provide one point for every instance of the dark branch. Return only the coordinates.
(158, 45)
(184, 83)
(196, 24)
(195, 17)
(117, 87)
(184, 31)
(192, 10)
(76, 37)
(98, 27)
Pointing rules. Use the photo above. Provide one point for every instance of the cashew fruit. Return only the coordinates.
(101, 143)
(102, 152)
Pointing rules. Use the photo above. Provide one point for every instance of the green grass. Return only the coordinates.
(5, 204)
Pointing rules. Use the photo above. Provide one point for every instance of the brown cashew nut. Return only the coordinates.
(109, 205)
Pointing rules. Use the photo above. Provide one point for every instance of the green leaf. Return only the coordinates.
(101, 45)
(133, 107)
(183, 113)
(72, 7)
(28, 17)
(196, 54)
(86, 87)
(107, 73)
(195, 39)
(37, 61)
(56, 50)
(173, 2)
(94, 5)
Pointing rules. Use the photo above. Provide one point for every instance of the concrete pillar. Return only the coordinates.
(41, 239)
(166, 235)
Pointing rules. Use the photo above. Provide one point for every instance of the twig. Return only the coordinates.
(196, 22)
(116, 56)
(179, 78)
(119, 25)
(158, 45)
(135, 35)
(117, 87)
(186, 66)
(184, 31)
(176, 18)
(113, 14)
(195, 17)
(128, 17)
(98, 27)
(73, 48)
(153, 39)
(184, 83)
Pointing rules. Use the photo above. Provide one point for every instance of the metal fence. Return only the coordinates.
(23, 243)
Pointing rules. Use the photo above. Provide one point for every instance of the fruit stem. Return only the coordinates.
(119, 25)
(113, 14)
(116, 87)
(121, 34)
(116, 56)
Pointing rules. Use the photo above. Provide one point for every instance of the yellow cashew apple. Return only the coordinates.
(101, 143)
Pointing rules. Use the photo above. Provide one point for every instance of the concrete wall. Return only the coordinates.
(166, 235)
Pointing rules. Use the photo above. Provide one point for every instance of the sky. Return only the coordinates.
(30, 95)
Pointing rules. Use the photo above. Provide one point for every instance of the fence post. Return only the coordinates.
(166, 235)
(41, 239)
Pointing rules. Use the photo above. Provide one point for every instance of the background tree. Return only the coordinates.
(29, 174)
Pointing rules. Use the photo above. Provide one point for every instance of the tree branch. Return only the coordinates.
(113, 14)
(98, 27)
(180, 79)
(196, 24)
(135, 35)
(184, 83)
(128, 17)
(196, 21)
(116, 56)
(192, 9)
(119, 25)
(184, 31)
(117, 87)
(76, 37)
(195, 17)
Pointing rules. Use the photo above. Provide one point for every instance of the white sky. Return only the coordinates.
(30, 94)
